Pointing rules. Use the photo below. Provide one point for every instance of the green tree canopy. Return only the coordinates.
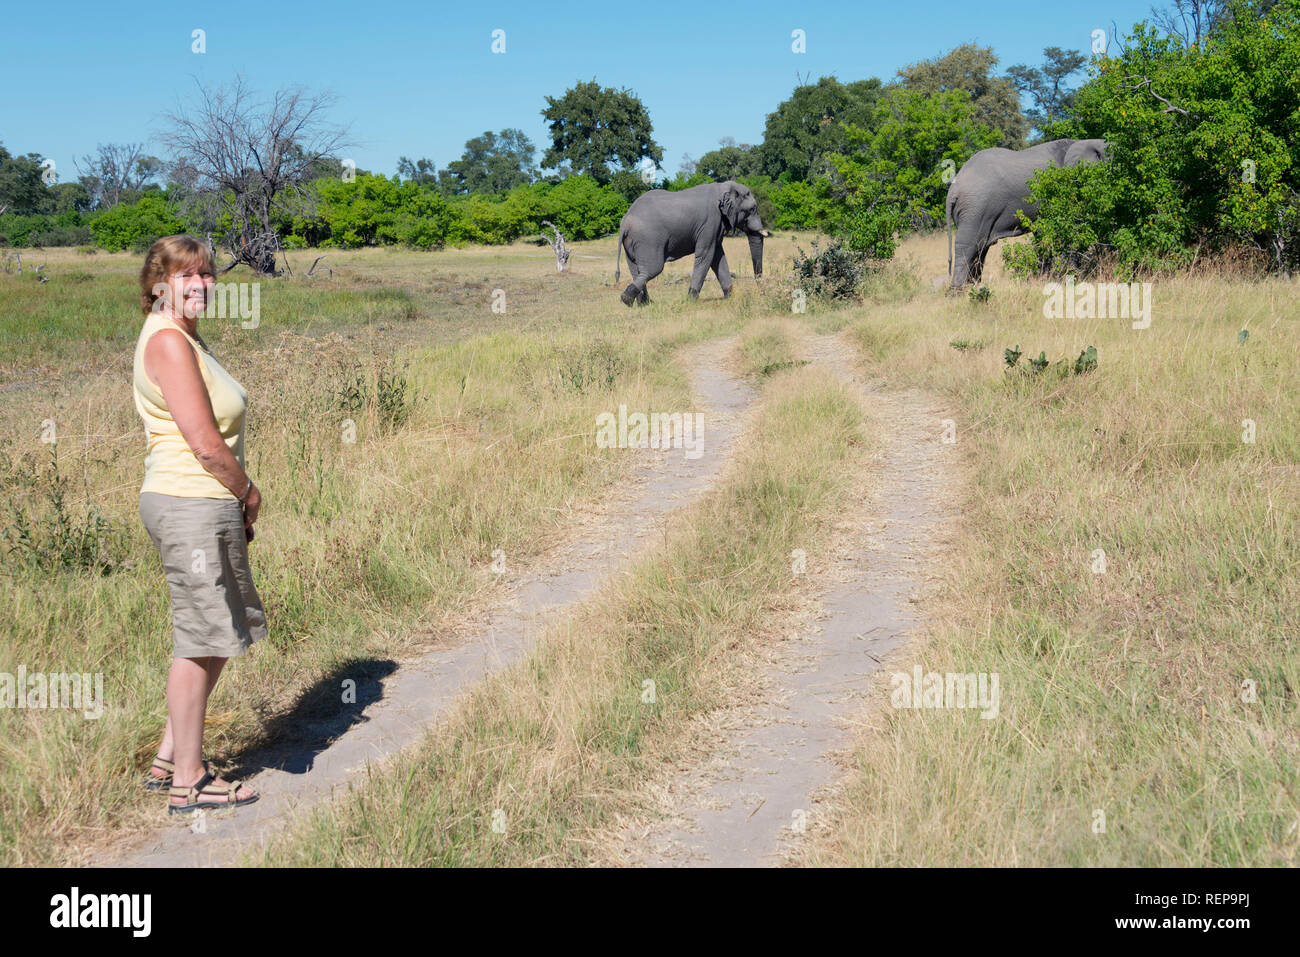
(21, 187)
(729, 161)
(1053, 98)
(806, 127)
(970, 67)
(1205, 150)
(898, 172)
(491, 163)
(596, 129)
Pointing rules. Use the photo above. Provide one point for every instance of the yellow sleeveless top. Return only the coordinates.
(170, 467)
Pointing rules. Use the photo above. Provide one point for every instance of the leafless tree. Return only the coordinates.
(114, 169)
(561, 250)
(1189, 20)
(250, 159)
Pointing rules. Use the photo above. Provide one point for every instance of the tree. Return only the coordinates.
(1203, 152)
(250, 162)
(593, 127)
(116, 171)
(21, 188)
(422, 172)
(1053, 100)
(729, 161)
(897, 170)
(806, 127)
(970, 67)
(491, 163)
(1189, 20)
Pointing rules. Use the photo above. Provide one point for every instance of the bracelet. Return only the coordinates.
(243, 498)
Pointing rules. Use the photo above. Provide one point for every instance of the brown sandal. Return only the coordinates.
(194, 796)
(153, 783)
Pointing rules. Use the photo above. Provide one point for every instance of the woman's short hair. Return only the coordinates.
(166, 257)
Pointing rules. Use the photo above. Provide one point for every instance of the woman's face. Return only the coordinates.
(191, 288)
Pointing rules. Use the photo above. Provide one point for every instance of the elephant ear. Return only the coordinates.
(729, 206)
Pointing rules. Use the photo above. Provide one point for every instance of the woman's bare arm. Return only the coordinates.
(170, 362)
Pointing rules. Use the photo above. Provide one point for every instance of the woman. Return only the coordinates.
(199, 506)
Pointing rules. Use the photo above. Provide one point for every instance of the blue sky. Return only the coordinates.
(419, 79)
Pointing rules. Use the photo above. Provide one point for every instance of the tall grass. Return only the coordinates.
(395, 451)
(1149, 712)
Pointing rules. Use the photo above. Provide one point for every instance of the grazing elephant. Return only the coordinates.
(662, 226)
(990, 188)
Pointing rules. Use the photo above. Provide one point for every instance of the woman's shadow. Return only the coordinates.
(322, 714)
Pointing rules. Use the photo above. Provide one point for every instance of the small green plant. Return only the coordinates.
(778, 366)
(61, 537)
(1243, 336)
(967, 345)
(979, 295)
(1085, 363)
(386, 391)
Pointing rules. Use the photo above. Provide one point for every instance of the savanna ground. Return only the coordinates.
(1148, 712)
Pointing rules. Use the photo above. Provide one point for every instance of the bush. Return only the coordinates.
(135, 226)
(1223, 173)
(835, 272)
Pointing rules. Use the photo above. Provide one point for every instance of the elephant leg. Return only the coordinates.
(702, 262)
(722, 272)
(977, 266)
(644, 268)
(963, 258)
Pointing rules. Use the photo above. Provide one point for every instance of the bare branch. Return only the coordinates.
(1145, 83)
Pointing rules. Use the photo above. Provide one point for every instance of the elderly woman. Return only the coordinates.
(199, 506)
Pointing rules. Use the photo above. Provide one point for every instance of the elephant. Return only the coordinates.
(990, 188)
(662, 226)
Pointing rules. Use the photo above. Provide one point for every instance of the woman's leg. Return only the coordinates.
(188, 686)
(187, 700)
(167, 750)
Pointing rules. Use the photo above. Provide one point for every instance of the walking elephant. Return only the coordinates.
(990, 188)
(662, 226)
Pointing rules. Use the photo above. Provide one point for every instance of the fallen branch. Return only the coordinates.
(313, 268)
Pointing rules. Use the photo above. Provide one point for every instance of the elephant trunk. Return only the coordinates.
(756, 252)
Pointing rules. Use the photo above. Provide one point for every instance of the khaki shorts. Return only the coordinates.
(216, 610)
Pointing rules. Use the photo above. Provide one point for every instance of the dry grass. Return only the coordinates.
(1121, 692)
(555, 748)
(365, 550)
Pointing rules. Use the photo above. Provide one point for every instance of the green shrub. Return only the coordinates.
(135, 226)
(1213, 163)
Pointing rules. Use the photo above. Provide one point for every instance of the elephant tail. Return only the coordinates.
(618, 257)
